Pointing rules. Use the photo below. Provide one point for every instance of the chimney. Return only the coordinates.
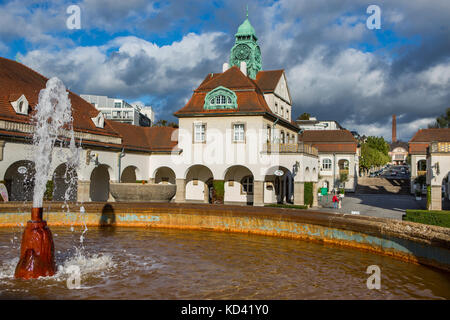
(394, 129)
(244, 67)
(225, 67)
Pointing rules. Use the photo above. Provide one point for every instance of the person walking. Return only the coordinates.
(335, 201)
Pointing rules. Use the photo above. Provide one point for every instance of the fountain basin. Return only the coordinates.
(122, 192)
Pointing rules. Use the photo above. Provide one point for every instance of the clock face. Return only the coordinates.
(242, 52)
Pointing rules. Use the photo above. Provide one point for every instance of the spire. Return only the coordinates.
(247, 11)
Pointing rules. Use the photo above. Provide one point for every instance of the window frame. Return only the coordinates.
(247, 184)
(329, 162)
(194, 132)
(233, 132)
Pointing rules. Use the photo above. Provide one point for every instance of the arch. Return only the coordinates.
(421, 166)
(278, 189)
(343, 164)
(220, 98)
(199, 180)
(165, 175)
(238, 185)
(65, 184)
(99, 187)
(128, 175)
(19, 180)
(307, 174)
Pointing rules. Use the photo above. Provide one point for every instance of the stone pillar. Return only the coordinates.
(258, 193)
(436, 198)
(315, 198)
(83, 192)
(2, 146)
(299, 193)
(180, 196)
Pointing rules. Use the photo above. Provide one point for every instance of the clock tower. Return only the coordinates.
(246, 49)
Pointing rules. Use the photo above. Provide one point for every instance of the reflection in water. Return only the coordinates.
(173, 264)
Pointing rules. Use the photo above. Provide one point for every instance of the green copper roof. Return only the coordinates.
(246, 29)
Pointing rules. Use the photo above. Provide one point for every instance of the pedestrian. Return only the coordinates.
(335, 201)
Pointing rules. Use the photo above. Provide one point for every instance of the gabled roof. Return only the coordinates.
(340, 141)
(419, 143)
(17, 79)
(397, 144)
(268, 80)
(250, 97)
(433, 134)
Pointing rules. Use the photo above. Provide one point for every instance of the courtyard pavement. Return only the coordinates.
(376, 205)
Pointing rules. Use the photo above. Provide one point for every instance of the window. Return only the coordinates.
(269, 129)
(287, 114)
(282, 137)
(276, 107)
(247, 185)
(199, 132)
(326, 164)
(282, 112)
(239, 132)
(117, 104)
(220, 98)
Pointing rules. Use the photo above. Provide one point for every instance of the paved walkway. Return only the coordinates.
(375, 205)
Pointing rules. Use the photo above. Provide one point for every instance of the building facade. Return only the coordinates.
(120, 110)
(236, 130)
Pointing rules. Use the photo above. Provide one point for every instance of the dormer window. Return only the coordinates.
(220, 98)
(21, 105)
(99, 120)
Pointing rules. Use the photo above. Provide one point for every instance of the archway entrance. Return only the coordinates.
(19, 180)
(128, 175)
(198, 184)
(238, 185)
(64, 184)
(165, 175)
(278, 185)
(99, 187)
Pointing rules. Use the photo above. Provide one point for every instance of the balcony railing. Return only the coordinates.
(421, 173)
(343, 171)
(290, 148)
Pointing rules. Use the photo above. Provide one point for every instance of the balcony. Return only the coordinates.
(290, 148)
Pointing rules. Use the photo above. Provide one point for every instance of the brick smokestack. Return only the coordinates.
(394, 128)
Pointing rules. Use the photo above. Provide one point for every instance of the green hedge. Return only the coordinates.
(308, 194)
(436, 218)
(48, 195)
(290, 206)
(219, 191)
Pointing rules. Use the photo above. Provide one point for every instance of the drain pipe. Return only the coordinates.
(120, 156)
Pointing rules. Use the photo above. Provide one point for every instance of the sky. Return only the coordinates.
(157, 52)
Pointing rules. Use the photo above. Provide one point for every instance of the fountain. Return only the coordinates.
(52, 116)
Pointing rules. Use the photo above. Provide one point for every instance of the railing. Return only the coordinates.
(343, 171)
(421, 173)
(290, 148)
(440, 147)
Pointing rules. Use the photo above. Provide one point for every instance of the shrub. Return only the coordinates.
(436, 218)
(308, 194)
(428, 197)
(48, 195)
(218, 191)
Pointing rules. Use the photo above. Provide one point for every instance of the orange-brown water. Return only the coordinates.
(172, 264)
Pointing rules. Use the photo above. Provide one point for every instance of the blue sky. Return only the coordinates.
(158, 52)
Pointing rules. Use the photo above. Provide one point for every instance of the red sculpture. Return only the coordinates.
(37, 249)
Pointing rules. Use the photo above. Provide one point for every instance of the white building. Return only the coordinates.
(235, 131)
(120, 110)
(314, 124)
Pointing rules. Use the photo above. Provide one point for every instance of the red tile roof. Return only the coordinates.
(250, 97)
(268, 80)
(17, 79)
(419, 143)
(340, 141)
(146, 138)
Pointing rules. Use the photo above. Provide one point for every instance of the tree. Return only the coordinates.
(442, 121)
(378, 143)
(304, 116)
(374, 153)
(165, 123)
